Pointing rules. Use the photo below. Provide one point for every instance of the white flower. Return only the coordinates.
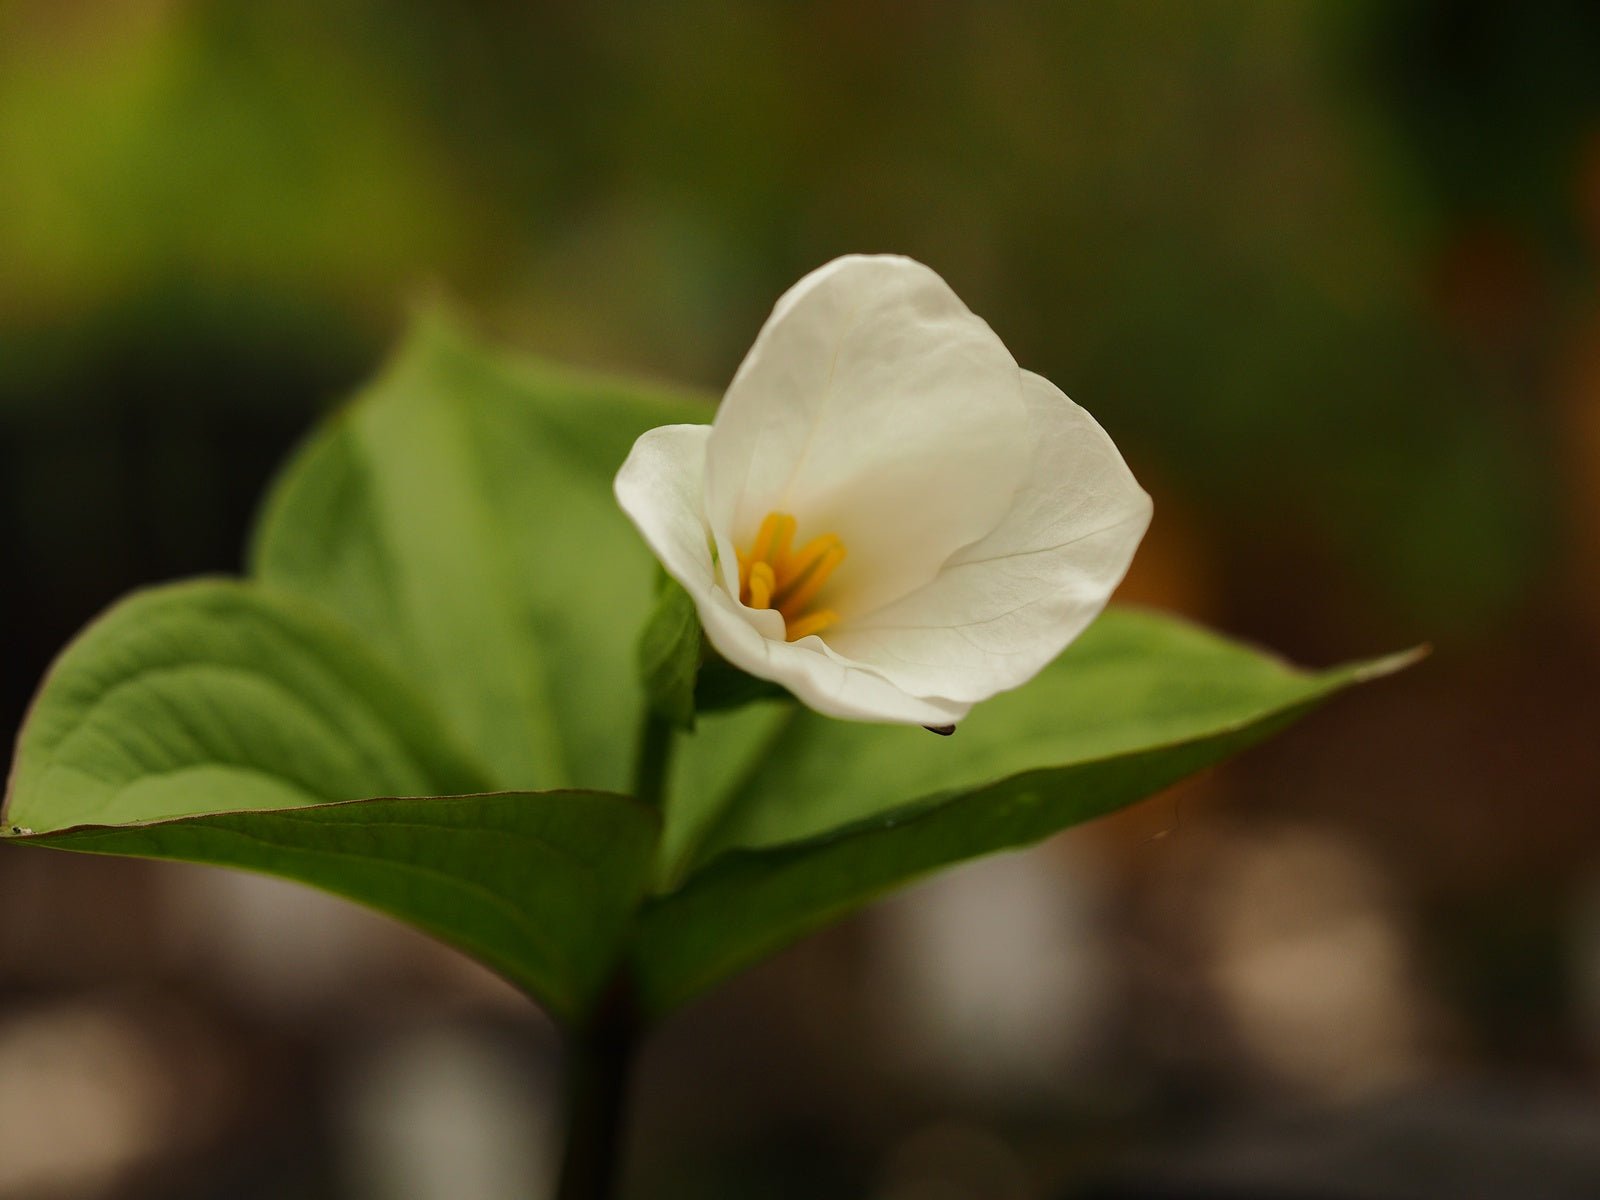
(888, 516)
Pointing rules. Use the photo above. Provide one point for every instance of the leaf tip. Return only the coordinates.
(1391, 664)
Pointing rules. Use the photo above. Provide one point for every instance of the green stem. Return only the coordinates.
(600, 1053)
(654, 757)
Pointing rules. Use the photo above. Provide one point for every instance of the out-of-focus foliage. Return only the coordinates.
(1190, 215)
(224, 148)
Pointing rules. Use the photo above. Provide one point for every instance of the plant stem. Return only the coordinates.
(599, 1065)
(654, 756)
(600, 1053)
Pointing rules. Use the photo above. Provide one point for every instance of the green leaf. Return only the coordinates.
(1134, 680)
(669, 654)
(822, 825)
(708, 768)
(539, 886)
(213, 695)
(216, 695)
(460, 514)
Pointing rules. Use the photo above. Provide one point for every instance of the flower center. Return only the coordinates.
(772, 575)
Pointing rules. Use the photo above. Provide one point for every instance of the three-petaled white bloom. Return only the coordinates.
(888, 516)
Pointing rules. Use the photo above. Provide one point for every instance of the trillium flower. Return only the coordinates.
(888, 517)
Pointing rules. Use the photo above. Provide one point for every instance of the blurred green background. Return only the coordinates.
(1327, 271)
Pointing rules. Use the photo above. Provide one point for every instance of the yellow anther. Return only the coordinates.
(802, 564)
(812, 567)
(773, 575)
(761, 583)
(815, 622)
(773, 539)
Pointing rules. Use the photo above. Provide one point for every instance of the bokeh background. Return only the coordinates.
(1327, 271)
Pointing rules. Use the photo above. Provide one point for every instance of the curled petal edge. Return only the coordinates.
(660, 489)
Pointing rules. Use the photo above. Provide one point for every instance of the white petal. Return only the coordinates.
(1006, 605)
(821, 679)
(659, 488)
(874, 406)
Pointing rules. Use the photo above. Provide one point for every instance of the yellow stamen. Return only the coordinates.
(761, 583)
(772, 575)
(815, 622)
(773, 539)
(811, 572)
(803, 563)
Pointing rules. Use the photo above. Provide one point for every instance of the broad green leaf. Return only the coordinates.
(214, 695)
(1134, 680)
(539, 886)
(218, 695)
(460, 514)
(1143, 703)
(708, 768)
(669, 655)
